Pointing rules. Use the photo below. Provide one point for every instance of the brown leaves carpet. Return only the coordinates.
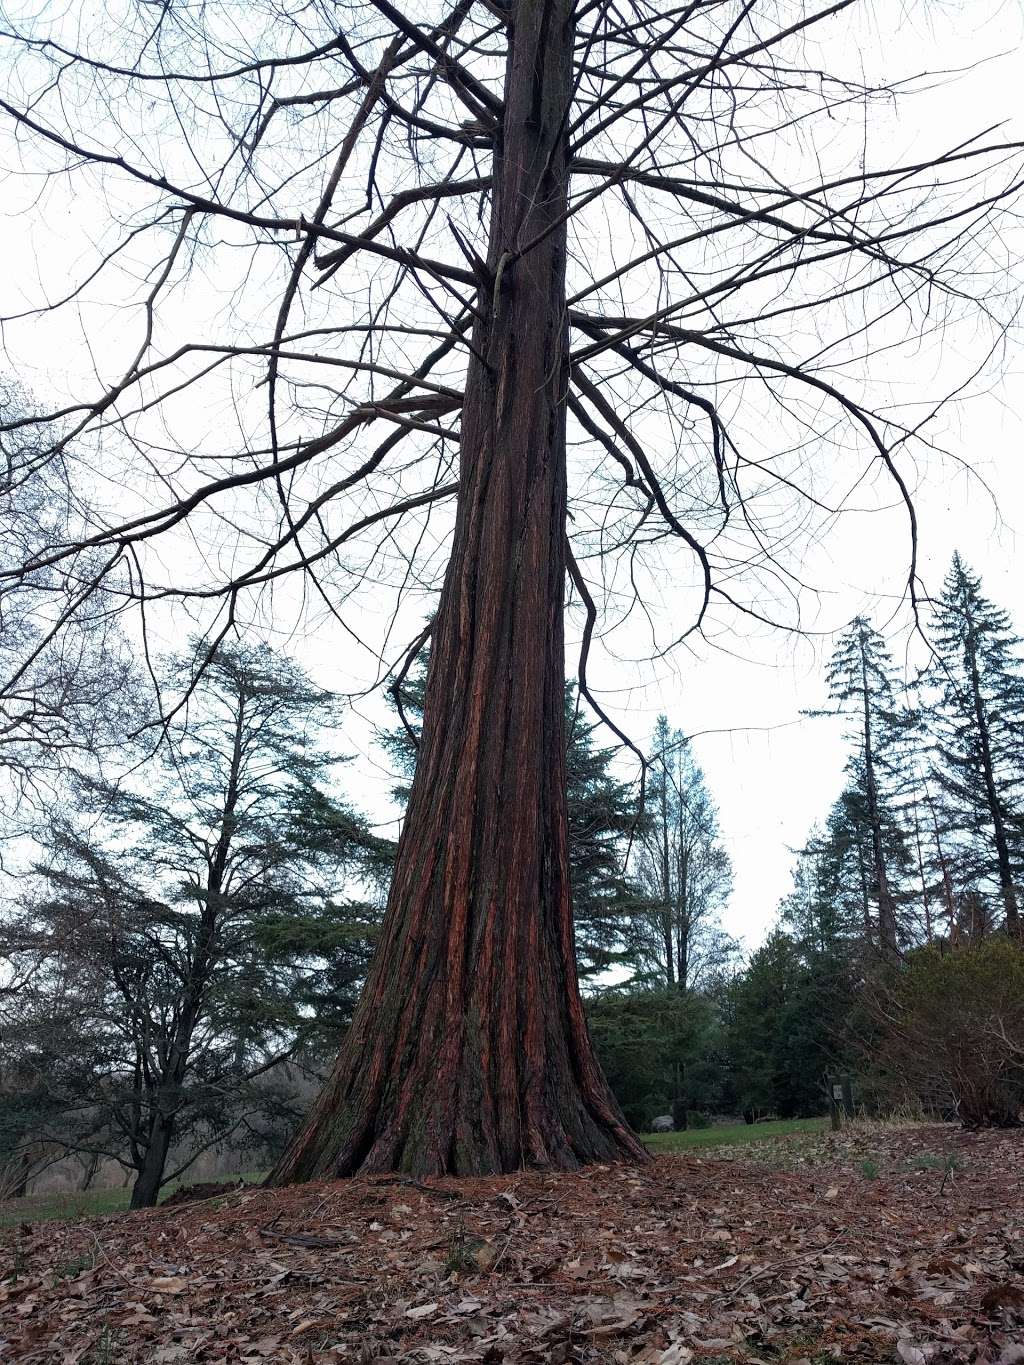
(896, 1245)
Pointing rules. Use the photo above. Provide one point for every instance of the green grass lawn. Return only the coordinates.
(73, 1204)
(35, 1208)
(729, 1135)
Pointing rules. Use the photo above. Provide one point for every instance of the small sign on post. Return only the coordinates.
(840, 1100)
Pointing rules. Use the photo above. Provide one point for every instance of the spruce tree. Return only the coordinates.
(862, 683)
(975, 684)
(828, 910)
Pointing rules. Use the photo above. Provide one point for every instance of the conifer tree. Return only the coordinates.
(976, 720)
(191, 925)
(785, 1028)
(827, 911)
(863, 685)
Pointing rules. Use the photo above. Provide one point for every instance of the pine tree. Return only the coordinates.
(684, 871)
(862, 683)
(976, 720)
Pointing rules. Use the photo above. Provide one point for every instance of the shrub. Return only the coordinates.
(952, 1029)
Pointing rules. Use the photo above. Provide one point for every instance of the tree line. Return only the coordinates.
(898, 955)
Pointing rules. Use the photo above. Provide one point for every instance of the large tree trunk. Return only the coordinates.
(468, 1052)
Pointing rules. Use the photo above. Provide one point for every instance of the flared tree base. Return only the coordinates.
(450, 1097)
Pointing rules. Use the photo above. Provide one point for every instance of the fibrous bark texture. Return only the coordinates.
(469, 1052)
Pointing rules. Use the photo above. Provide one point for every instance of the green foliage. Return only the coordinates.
(734, 1134)
(786, 1018)
(655, 1046)
(974, 688)
(603, 818)
(192, 925)
(872, 853)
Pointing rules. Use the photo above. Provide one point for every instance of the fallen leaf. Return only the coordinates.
(1002, 1296)
(910, 1354)
(425, 1310)
(168, 1284)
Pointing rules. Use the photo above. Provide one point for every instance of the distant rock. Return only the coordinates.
(663, 1124)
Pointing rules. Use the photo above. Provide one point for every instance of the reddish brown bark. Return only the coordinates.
(469, 1052)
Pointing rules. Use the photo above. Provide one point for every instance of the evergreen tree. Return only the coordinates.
(602, 821)
(786, 1027)
(684, 872)
(199, 917)
(660, 1050)
(827, 909)
(863, 685)
(844, 857)
(975, 684)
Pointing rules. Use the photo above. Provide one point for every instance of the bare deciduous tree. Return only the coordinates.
(678, 940)
(68, 686)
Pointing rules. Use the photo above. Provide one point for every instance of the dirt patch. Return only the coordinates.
(896, 1246)
(193, 1194)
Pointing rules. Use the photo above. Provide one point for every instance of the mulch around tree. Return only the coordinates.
(902, 1246)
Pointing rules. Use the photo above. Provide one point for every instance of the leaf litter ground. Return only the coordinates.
(901, 1245)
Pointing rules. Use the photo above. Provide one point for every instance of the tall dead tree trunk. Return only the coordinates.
(468, 1052)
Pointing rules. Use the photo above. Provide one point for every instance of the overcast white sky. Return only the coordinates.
(772, 773)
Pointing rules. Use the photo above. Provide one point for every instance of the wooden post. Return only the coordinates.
(835, 1104)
